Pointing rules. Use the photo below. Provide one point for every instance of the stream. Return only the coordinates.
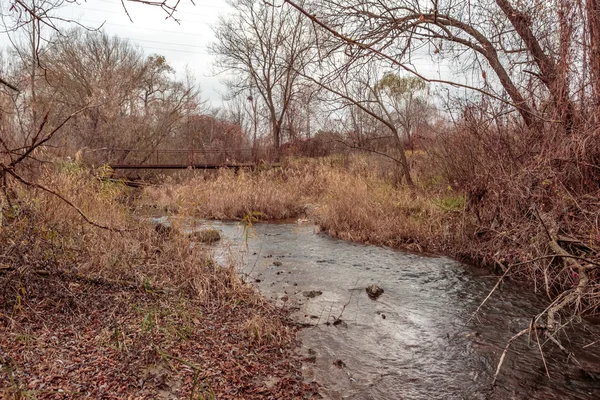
(417, 340)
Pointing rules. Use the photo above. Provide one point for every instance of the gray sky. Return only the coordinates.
(182, 44)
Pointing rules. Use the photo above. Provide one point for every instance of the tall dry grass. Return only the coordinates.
(43, 234)
(228, 195)
(352, 196)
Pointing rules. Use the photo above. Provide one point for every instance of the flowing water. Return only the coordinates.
(417, 340)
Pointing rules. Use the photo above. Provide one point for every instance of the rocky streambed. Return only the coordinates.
(415, 339)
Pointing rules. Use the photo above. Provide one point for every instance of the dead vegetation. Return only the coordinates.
(509, 178)
(353, 197)
(128, 313)
(534, 216)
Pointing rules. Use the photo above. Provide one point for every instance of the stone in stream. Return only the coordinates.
(206, 235)
(311, 294)
(374, 291)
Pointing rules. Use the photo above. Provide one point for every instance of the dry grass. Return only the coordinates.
(495, 219)
(345, 195)
(63, 240)
(232, 196)
(263, 329)
(121, 307)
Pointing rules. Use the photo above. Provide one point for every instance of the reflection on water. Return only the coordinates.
(415, 341)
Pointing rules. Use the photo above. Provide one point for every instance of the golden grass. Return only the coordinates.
(345, 196)
(261, 330)
(232, 196)
(137, 300)
(54, 234)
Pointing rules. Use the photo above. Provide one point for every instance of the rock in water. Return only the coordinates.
(374, 291)
(311, 294)
(207, 236)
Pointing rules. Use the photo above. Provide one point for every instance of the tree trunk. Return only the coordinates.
(255, 130)
(403, 161)
(593, 20)
(276, 138)
(308, 119)
(550, 76)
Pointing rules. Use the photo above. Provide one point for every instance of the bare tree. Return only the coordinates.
(263, 47)
(141, 104)
(359, 88)
(406, 98)
(494, 35)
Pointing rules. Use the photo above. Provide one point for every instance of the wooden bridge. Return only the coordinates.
(176, 159)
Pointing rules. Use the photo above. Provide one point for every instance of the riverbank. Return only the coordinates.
(547, 240)
(418, 339)
(96, 303)
(344, 195)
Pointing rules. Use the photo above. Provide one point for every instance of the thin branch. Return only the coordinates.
(489, 295)
(512, 339)
(9, 85)
(126, 11)
(64, 199)
(537, 338)
(48, 136)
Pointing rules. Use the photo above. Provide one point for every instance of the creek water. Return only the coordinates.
(417, 340)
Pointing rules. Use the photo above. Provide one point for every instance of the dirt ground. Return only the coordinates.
(64, 337)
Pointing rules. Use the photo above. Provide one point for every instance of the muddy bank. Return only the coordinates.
(415, 341)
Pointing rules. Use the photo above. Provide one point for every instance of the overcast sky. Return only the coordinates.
(182, 44)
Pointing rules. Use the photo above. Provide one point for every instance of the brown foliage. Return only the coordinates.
(94, 313)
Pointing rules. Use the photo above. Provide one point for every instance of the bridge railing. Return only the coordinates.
(175, 157)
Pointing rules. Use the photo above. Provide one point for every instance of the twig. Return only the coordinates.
(512, 339)
(537, 213)
(541, 352)
(348, 302)
(490, 294)
(79, 211)
(126, 11)
(8, 85)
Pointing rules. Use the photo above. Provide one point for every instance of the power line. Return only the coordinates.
(167, 43)
(123, 13)
(176, 50)
(140, 27)
(178, 9)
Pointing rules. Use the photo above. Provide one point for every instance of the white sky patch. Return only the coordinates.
(183, 44)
